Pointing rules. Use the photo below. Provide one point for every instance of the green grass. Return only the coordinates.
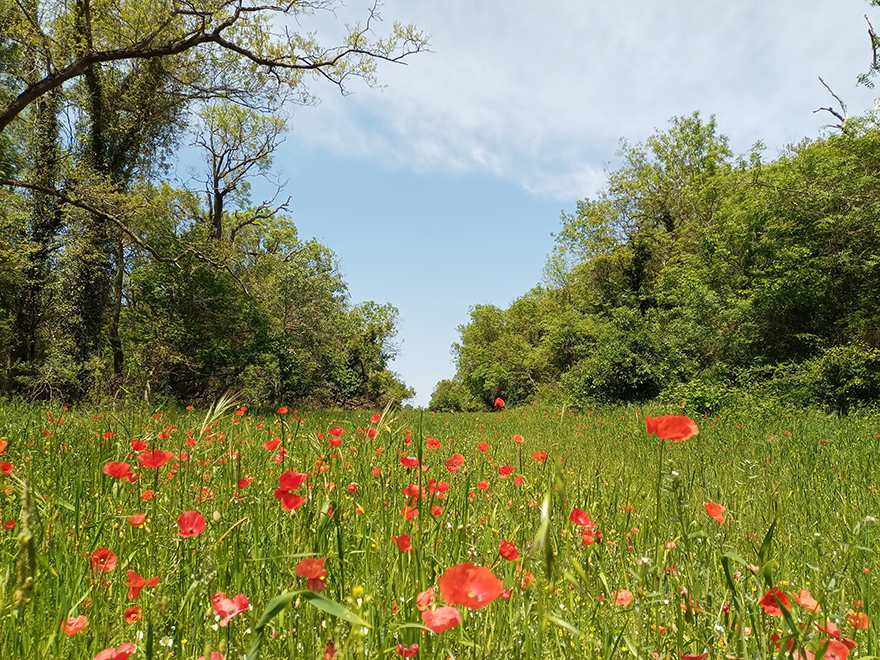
(799, 491)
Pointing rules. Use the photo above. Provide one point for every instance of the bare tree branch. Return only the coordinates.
(842, 118)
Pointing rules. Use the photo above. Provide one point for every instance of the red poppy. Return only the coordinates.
(472, 586)
(859, 620)
(123, 653)
(806, 600)
(433, 443)
(407, 651)
(505, 471)
(138, 445)
(518, 439)
(314, 571)
(376, 471)
(443, 618)
(540, 456)
(701, 656)
(271, 445)
(288, 482)
(404, 542)
(580, 518)
(103, 560)
(282, 410)
(483, 446)
(107, 435)
(6, 468)
(137, 520)
(836, 650)
(424, 599)
(671, 427)
(482, 485)
(228, 607)
(409, 461)
(191, 523)
(508, 550)
(10, 524)
(155, 458)
(371, 433)
(623, 597)
(436, 510)
(74, 624)
(117, 470)
(136, 583)
(773, 601)
(336, 431)
(133, 614)
(715, 511)
(499, 402)
(375, 418)
(454, 462)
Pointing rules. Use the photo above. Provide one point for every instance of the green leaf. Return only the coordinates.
(563, 624)
(334, 608)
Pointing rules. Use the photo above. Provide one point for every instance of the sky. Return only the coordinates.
(441, 189)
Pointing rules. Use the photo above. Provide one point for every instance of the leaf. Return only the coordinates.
(274, 607)
(563, 624)
(334, 608)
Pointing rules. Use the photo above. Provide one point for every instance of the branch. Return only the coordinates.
(843, 118)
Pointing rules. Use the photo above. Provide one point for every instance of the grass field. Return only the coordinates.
(306, 534)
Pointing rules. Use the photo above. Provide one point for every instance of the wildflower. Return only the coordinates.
(454, 462)
(518, 439)
(483, 446)
(107, 435)
(540, 456)
(671, 427)
(136, 583)
(375, 418)
(117, 470)
(702, 656)
(282, 410)
(371, 433)
(155, 458)
(623, 597)
(508, 551)
(505, 471)
(715, 511)
(407, 651)
(403, 542)
(424, 599)
(443, 618)
(773, 602)
(336, 431)
(288, 482)
(5, 467)
(314, 571)
(836, 650)
(409, 461)
(137, 520)
(580, 518)
(805, 600)
(122, 653)
(75, 624)
(227, 608)
(103, 560)
(138, 445)
(191, 523)
(482, 485)
(433, 443)
(133, 614)
(859, 620)
(499, 402)
(472, 586)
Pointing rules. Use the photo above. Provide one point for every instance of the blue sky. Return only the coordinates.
(440, 190)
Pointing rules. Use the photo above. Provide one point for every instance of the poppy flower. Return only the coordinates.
(409, 461)
(443, 618)
(407, 651)
(773, 601)
(137, 520)
(122, 653)
(859, 620)
(424, 599)
(313, 570)
(404, 542)
(701, 656)
(107, 435)
(518, 439)
(483, 446)
(505, 471)
(288, 482)
(138, 445)
(191, 523)
(433, 443)
(227, 608)
(482, 485)
(471, 586)
(454, 462)
(806, 600)
(117, 470)
(103, 560)
(336, 431)
(371, 433)
(671, 427)
(6, 468)
(836, 650)
(74, 624)
(508, 550)
(540, 456)
(623, 597)
(136, 583)
(375, 418)
(580, 518)
(271, 445)
(499, 402)
(282, 410)
(715, 511)
(133, 614)
(155, 458)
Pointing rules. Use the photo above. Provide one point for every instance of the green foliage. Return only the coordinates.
(451, 396)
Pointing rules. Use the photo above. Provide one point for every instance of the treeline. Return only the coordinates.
(116, 280)
(701, 278)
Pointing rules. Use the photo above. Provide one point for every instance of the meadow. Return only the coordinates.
(523, 533)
